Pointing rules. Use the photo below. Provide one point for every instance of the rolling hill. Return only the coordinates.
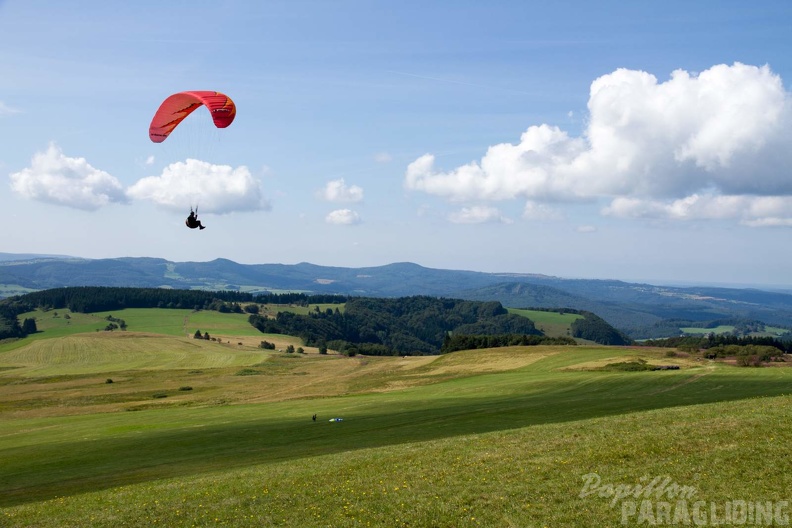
(630, 307)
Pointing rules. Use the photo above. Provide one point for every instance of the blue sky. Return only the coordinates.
(627, 140)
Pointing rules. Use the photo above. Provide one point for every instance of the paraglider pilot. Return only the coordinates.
(193, 222)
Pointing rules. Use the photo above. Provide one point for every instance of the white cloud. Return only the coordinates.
(726, 132)
(216, 189)
(338, 191)
(150, 160)
(57, 179)
(586, 229)
(756, 211)
(383, 157)
(538, 211)
(7, 110)
(478, 214)
(343, 217)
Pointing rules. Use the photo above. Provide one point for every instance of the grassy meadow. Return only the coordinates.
(220, 433)
(553, 324)
(720, 329)
(769, 331)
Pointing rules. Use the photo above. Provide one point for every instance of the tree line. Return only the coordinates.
(712, 341)
(454, 342)
(9, 324)
(89, 299)
(302, 299)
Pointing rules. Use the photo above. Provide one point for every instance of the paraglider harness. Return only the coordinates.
(192, 221)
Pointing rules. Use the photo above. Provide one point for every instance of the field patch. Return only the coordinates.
(489, 360)
(552, 324)
(721, 329)
(173, 322)
(652, 357)
(103, 352)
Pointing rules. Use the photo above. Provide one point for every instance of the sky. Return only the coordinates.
(639, 141)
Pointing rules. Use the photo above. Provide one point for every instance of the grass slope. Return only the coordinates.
(174, 322)
(497, 437)
(526, 477)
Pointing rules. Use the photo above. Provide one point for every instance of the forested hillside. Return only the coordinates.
(406, 325)
(594, 328)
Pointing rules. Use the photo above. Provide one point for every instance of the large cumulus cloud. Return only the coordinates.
(717, 144)
(72, 182)
(217, 189)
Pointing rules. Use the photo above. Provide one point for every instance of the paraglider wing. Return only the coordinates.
(175, 108)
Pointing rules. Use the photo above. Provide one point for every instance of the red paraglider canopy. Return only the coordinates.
(175, 108)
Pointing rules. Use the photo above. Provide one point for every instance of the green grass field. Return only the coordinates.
(301, 310)
(498, 437)
(694, 330)
(553, 324)
(769, 331)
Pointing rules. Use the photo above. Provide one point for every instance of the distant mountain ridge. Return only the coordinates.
(630, 307)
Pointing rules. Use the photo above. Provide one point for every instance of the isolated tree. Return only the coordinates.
(29, 326)
(198, 335)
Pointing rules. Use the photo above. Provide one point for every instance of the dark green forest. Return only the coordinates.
(454, 342)
(88, 299)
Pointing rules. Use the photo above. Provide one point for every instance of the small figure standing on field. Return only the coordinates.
(314, 417)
